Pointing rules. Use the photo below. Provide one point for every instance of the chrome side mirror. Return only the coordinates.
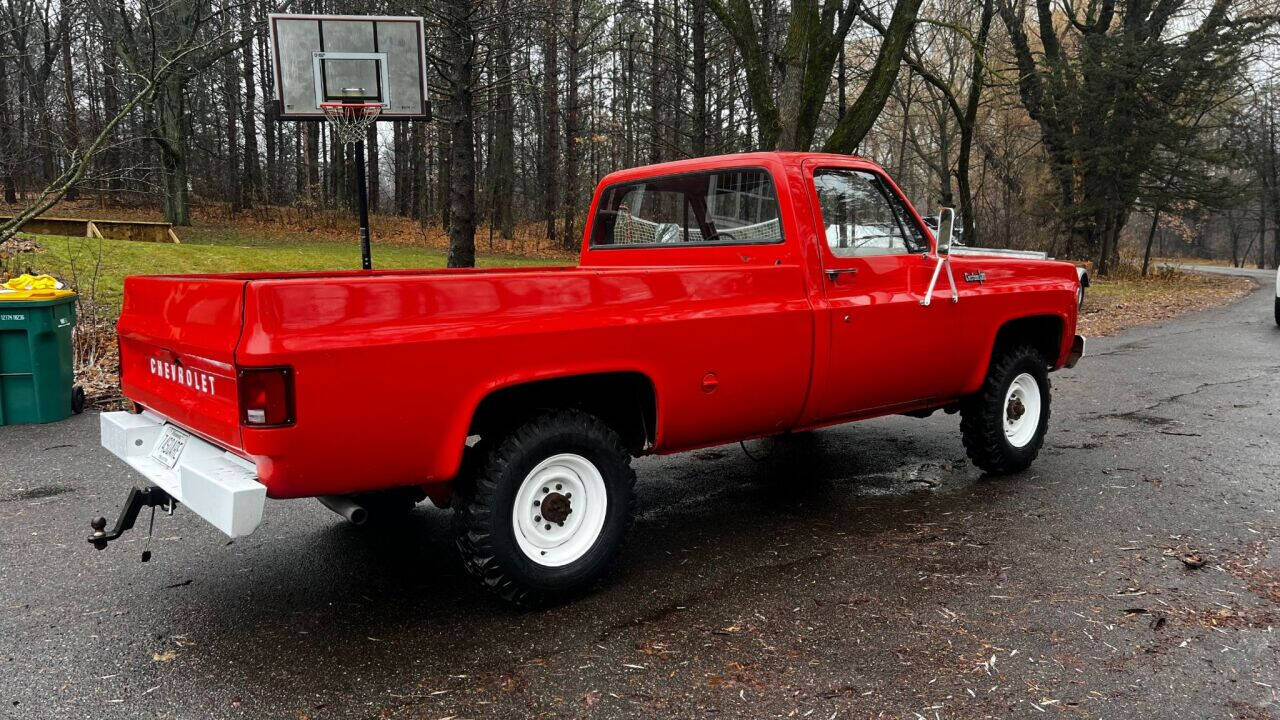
(946, 223)
(946, 226)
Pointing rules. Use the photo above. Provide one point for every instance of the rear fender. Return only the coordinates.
(463, 425)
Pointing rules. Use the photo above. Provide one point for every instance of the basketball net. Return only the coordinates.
(351, 120)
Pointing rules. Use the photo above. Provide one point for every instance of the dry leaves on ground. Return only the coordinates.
(1120, 302)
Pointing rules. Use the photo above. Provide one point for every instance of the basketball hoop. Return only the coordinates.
(350, 120)
(379, 74)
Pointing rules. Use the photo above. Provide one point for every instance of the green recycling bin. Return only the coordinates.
(36, 374)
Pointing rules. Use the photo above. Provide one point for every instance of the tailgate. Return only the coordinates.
(178, 340)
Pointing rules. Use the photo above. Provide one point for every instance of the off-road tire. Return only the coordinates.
(982, 414)
(483, 525)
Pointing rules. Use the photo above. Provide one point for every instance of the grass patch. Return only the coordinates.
(97, 268)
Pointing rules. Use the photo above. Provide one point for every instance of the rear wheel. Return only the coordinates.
(1277, 310)
(1003, 425)
(546, 511)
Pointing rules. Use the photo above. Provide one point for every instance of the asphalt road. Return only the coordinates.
(862, 571)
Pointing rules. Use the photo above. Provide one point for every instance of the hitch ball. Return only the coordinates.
(99, 528)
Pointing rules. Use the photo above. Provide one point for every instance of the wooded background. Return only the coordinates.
(1099, 130)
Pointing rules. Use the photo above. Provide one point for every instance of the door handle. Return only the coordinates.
(834, 275)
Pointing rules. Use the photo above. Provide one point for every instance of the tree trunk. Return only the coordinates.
(252, 183)
(7, 146)
(968, 213)
(1273, 169)
(272, 184)
(172, 141)
(656, 73)
(234, 117)
(311, 151)
(1151, 237)
(1262, 227)
(460, 39)
(502, 163)
(857, 122)
(371, 166)
(698, 136)
(445, 177)
(571, 125)
(551, 122)
(72, 138)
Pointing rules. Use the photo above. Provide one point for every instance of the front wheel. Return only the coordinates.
(1004, 423)
(546, 511)
(1278, 310)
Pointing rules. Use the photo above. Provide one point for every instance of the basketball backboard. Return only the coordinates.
(325, 58)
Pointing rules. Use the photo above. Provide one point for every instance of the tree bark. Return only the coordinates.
(698, 136)
(860, 118)
(72, 139)
(1151, 237)
(460, 39)
(234, 117)
(571, 124)
(656, 73)
(502, 163)
(172, 141)
(968, 213)
(551, 122)
(7, 145)
(252, 183)
(372, 157)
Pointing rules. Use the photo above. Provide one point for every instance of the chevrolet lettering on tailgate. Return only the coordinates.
(194, 379)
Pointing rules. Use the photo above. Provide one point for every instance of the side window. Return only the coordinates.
(731, 207)
(863, 217)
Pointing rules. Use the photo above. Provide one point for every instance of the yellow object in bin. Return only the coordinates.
(33, 287)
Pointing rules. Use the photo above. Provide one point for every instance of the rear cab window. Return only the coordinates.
(736, 206)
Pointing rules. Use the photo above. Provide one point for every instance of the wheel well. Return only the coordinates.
(625, 401)
(1043, 332)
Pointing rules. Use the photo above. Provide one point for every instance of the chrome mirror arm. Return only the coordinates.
(933, 282)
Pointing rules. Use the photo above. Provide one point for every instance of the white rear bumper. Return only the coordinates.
(217, 485)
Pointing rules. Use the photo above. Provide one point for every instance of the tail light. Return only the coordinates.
(266, 396)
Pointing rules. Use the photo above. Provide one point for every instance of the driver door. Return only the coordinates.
(876, 269)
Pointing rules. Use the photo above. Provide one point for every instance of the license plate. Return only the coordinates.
(169, 446)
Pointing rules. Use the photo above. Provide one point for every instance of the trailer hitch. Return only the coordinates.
(137, 499)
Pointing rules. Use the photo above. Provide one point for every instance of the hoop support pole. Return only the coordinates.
(362, 206)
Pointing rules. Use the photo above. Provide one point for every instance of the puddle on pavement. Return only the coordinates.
(912, 477)
(36, 493)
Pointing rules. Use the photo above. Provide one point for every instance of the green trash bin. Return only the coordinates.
(36, 373)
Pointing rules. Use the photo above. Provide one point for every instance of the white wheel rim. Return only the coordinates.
(1021, 410)
(579, 485)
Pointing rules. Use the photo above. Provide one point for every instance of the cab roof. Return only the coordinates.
(715, 162)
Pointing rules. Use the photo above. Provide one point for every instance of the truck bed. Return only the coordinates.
(373, 408)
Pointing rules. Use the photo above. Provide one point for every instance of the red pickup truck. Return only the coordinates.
(716, 300)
